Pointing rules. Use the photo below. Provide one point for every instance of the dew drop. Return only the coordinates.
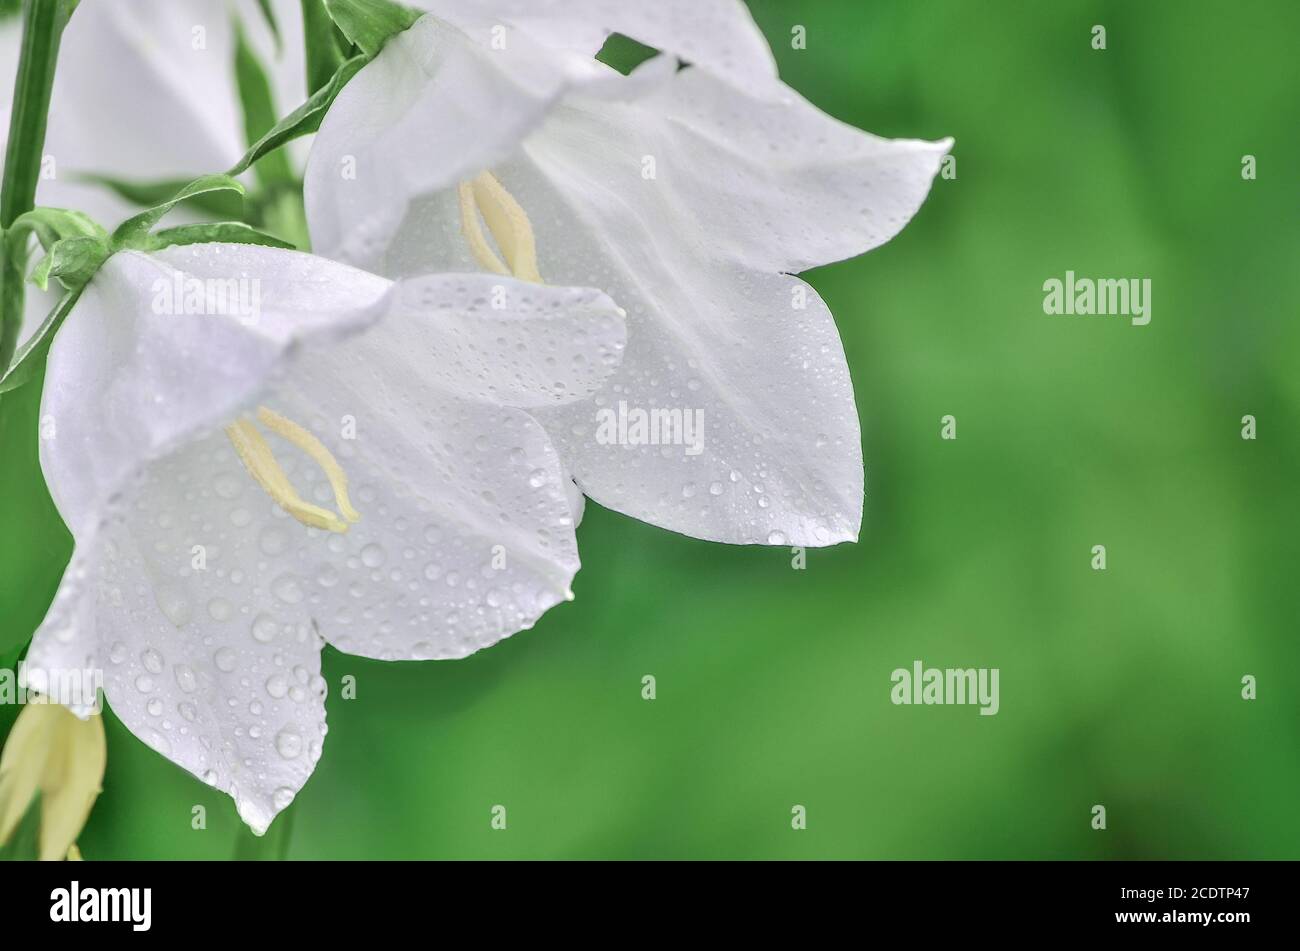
(272, 541)
(227, 485)
(225, 659)
(152, 660)
(264, 628)
(174, 605)
(288, 744)
(287, 589)
(185, 678)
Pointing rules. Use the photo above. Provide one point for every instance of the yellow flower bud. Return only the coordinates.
(52, 751)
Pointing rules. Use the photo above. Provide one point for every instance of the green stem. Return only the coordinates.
(43, 24)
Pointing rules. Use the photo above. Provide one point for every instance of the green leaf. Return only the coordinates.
(323, 42)
(268, 15)
(30, 358)
(259, 109)
(149, 194)
(370, 23)
(134, 232)
(230, 232)
(24, 844)
(304, 120)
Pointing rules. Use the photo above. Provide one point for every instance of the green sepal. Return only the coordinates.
(304, 120)
(147, 194)
(31, 355)
(226, 232)
(75, 245)
(324, 44)
(51, 225)
(73, 261)
(259, 108)
(134, 232)
(371, 23)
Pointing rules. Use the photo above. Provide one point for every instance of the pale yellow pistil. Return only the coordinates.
(261, 464)
(508, 223)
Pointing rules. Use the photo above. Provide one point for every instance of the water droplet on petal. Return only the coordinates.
(264, 628)
(287, 589)
(152, 660)
(277, 686)
(225, 659)
(288, 744)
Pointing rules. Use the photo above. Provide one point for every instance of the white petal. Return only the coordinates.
(466, 106)
(776, 182)
(190, 666)
(129, 378)
(719, 35)
(755, 355)
(436, 106)
(465, 536)
(524, 345)
(753, 352)
(466, 533)
(770, 452)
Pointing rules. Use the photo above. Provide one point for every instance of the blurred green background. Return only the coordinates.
(1120, 687)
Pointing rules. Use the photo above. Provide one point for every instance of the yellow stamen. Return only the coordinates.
(261, 464)
(508, 223)
(316, 449)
